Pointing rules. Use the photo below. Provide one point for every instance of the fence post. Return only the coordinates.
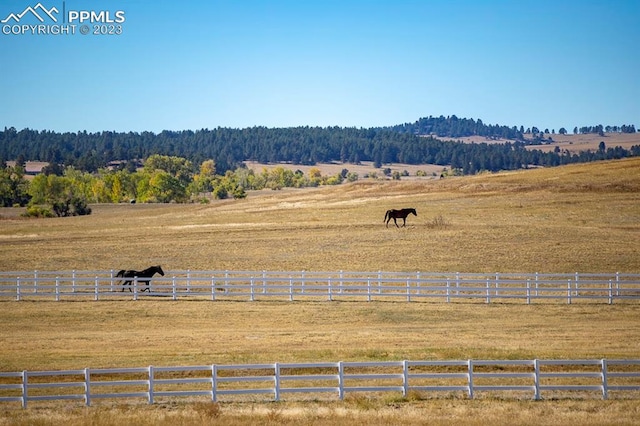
(73, 281)
(470, 378)
(330, 294)
(57, 289)
(576, 286)
(264, 281)
(617, 283)
(151, 384)
(528, 291)
(18, 288)
(448, 291)
(96, 289)
(214, 383)
(605, 381)
(405, 378)
(173, 288)
(341, 283)
(302, 281)
(213, 288)
(569, 292)
(408, 291)
(35, 281)
(25, 380)
(341, 380)
(111, 282)
(188, 281)
(290, 288)
(368, 289)
(87, 387)
(276, 379)
(497, 283)
(488, 291)
(135, 288)
(418, 283)
(457, 283)
(610, 292)
(536, 379)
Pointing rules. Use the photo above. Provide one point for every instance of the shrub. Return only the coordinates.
(38, 211)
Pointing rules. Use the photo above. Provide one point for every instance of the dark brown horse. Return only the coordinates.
(399, 214)
(143, 276)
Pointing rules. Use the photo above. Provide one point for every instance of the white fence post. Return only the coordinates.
(174, 295)
(276, 380)
(87, 387)
(488, 291)
(610, 292)
(470, 378)
(341, 380)
(25, 384)
(290, 288)
(405, 378)
(57, 289)
(96, 289)
(605, 380)
(536, 378)
(18, 288)
(214, 383)
(528, 291)
(569, 292)
(151, 378)
(135, 288)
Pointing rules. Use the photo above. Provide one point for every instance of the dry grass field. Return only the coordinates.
(582, 218)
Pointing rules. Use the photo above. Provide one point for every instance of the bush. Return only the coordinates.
(38, 211)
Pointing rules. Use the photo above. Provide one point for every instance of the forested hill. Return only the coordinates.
(299, 145)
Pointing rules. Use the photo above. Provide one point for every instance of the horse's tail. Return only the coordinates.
(386, 215)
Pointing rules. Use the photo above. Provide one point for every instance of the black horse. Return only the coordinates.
(399, 214)
(141, 276)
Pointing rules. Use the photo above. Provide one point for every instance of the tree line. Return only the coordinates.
(162, 179)
(229, 148)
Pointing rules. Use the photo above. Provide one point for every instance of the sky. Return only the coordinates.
(351, 63)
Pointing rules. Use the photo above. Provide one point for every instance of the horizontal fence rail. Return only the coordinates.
(309, 285)
(510, 378)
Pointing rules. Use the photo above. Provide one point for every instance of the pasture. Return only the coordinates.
(583, 218)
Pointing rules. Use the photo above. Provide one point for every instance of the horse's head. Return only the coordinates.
(414, 212)
(159, 270)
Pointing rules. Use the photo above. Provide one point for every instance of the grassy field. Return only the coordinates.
(582, 218)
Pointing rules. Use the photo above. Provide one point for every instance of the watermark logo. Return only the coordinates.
(58, 20)
(34, 11)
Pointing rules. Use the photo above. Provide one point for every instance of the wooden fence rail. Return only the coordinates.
(306, 285)
(509, 378)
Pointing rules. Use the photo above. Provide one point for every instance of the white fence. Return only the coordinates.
(509, 378)
(341, 285)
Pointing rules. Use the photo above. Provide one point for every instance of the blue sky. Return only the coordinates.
(204, 64)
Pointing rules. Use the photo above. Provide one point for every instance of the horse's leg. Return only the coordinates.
(405, 222)
(396, 222)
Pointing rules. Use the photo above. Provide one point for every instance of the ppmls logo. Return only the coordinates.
(34, 11)
(40, 20)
